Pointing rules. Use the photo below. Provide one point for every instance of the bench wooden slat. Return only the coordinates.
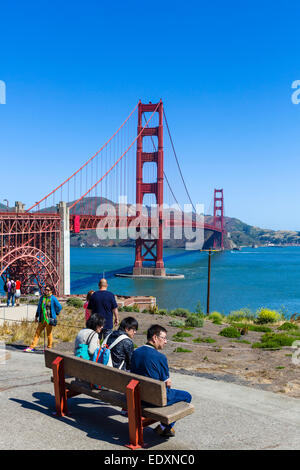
(151, 391)
(166, 414)
(169, 414)
(106, 396)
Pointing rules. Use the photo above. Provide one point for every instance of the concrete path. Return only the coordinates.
(227, 416)
(20, 313)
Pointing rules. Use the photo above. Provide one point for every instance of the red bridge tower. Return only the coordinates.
(150, 249)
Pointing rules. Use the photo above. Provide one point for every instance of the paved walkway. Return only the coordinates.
(20, 313)
(227, 416)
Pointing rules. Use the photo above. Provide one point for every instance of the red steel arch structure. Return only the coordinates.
(30, 249)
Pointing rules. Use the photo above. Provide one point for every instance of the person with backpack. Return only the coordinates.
(46, 315)
(11, 291)
(120, 343)
(87, 340)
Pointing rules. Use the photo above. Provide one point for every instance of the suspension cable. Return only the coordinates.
(187, 192)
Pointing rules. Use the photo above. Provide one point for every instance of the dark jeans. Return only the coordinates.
(174, 396)
(11, 296)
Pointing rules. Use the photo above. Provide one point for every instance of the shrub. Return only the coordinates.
(242, 314)
(75, 302)
(288, 326)
(199, 310)
(266, 315)
(180, 312)
(163, 311)
(177, 323)
(127, 308)
(153, 309)
(194, 320)
(230, 332)
(216, 317)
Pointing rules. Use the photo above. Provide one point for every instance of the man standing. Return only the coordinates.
(104, 304)
(11, 290)
(148, 361)
(46, 314)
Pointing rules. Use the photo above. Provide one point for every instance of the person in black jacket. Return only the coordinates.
(122, 352)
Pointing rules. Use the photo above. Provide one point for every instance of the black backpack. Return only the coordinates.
(12, 287)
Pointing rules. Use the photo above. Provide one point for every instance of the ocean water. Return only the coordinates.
(252, 277)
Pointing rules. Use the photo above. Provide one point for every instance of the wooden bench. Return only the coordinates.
(72, 376)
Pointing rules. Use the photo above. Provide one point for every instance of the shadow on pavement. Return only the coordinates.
(96, 421)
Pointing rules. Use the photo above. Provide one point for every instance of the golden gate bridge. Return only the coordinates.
(130, 167)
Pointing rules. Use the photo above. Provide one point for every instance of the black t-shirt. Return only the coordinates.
(103, 302)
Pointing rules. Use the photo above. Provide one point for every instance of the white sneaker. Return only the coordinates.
(29, 349)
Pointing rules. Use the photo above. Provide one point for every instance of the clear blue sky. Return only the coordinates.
(74, 70)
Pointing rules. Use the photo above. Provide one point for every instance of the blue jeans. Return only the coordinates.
(174, 396)
(11, 296)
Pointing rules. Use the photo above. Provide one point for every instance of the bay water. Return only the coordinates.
(251, 278)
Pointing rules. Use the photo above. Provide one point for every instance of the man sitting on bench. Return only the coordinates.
(148, 361)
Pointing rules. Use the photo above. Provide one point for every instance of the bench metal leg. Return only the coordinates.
(134, 415)
(59, 387)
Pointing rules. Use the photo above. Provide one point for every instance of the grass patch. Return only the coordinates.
(75, 302)
(279, 367)
(180, 335)
(287, 326)
(230, 332)
(178, 350)
(204, 340)
(70, 321)
(244, 341)
(258, 328)
(274, 341)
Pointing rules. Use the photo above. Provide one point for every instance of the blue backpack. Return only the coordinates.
(103, 354)
(83, 348)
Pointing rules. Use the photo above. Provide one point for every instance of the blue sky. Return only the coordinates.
(74, 71)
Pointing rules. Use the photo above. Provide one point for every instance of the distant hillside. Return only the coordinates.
(243, 234)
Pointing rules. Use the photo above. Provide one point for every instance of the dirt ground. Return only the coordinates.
(226, 359)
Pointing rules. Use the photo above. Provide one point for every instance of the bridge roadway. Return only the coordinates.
(227, 416)
(92, 222)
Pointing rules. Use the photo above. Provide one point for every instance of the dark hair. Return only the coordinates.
(155, 330)
(94, 321)
(129, 322)
(89, 294)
